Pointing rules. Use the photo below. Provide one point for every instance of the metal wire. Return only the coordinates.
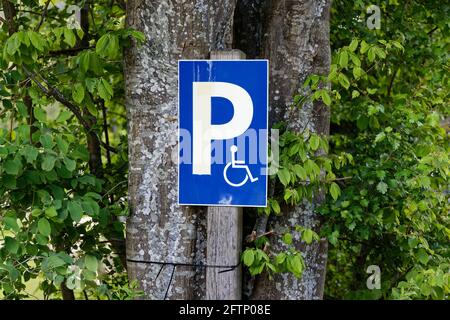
(176, 264)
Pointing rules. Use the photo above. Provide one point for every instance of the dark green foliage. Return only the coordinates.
(394, 212)
(61, 92)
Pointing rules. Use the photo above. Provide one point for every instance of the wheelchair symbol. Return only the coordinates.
(238, 164)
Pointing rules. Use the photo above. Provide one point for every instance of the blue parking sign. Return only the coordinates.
(223, 132)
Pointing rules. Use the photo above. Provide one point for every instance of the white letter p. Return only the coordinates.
(204, 131)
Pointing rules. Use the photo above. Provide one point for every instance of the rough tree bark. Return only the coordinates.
(295, 39)
(294, 36)
(158, 229)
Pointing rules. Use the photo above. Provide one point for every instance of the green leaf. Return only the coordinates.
(78, 93)
(108, 46)
(380, 52)
(12, 245)
(69, 163)
(69, 37)
(295, 265)
(270, 266)
(307, 236)
(63, 116)
(63, 145)
(12, 44)
(343, 80)
(333, 237)
(312, 169)
(36, 212)
(422, 256)
(11, 223)
(46, 140)
(80, 152)
(13, 167)
(275, 206)
(314, 142)
(280, 258)
(44, 227)
(300, 172)
(371, 54)
(364, 47)
(355, 60)
(137, 35)
(54, 262)
(30, 153)
(91, 84)
(358, 72)
(37, 40)
(398, 45)
(343, 59)
(104, 90)
(84, 61)
(382, 187)
(248, 257)
(75, 210)
(22, 108)
(284, 176)
(413, 242)
(326, 97)
(353, 45)
(40, 114)
(92, 108)
(48, 163)
(102, 45)
(335, 190)
(91, 263)
(95, 63)
(362, 123)
(50, 212)
(287, 238)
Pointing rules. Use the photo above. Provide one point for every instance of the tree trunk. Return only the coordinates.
(158, 229)
(295, 39)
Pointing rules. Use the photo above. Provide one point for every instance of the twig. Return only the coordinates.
(340, 179)
(70, 51)
(392, 82)
(117, 185)
(253, 236)
(44, 13)
(432, 30)
(105, 129)
(55, 93)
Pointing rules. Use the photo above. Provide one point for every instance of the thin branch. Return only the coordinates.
(105, 129)
(55, 93)
(432, 30)
(253, 236)
(392, 82)
(44, 13)
(71, 51)
(339, 179)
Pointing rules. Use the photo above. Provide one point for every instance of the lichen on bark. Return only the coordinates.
(294, 36)
(295, 39)
(158, 229)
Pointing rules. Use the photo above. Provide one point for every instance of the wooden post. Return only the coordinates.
(224, 238)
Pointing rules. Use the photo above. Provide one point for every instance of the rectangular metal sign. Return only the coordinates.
(223, 132)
